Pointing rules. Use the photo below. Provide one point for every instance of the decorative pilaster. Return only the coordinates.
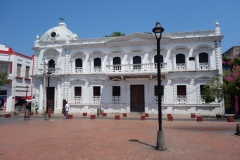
(59, 95)
(73, 65)
(187, 62)
(197, 61)
(174, 62)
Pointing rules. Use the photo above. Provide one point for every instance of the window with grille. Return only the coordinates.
(180, 58)
(156, 90)
(116, 91)
(27, 72)
(96, 91)
(181, 90)
(203, 57)
(19, 69)
(155, 59)
(3, 67)
(78, 91)
(78, 62)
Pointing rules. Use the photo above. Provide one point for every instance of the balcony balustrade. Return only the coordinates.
(78, 99)
(78, 70)
(116, 100)
(96, 100)
(124, 68)
(97, 69)
(181, 99)
(181, 66)
(203, 66)
(54, 71)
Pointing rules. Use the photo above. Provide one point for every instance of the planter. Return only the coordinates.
(142, 118)
(230, 119)
(84, 114)
(199, 119)
(193, 115)
(92, 116)
(170, 118)
(146, 115)
(124, 114)
(104, 114)
(117, 117)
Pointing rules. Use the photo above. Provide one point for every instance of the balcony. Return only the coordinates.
(97, 70)
(181, 66)
(203, 66)
(181, 99)
(78, 70)
(96, 100)
(135, 68)
(54, 71)
(78, 99)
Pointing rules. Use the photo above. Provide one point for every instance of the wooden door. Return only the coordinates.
(50, 98)
(137, 98)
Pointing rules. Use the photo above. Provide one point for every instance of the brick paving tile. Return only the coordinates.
(109, 139)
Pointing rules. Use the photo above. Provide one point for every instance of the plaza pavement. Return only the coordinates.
(106, 138)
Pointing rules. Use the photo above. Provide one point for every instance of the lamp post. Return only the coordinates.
(158, 29)
(46, 115)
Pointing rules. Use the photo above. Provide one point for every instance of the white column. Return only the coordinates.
(73, 65)
(197, 61)
(186, 62)
(102, 65)
(209, 61)
(92, 65)
(59, 95)
(41, 96)
(174, 62)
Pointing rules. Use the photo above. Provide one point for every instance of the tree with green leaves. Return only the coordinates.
(115, 34)
(4, 79)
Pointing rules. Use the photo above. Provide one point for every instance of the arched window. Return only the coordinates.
(97, 62)
(155, 59)
(203, 58)
(117, 63)
(180, 58)
(137, 60)
(51, 64)
(78, 62)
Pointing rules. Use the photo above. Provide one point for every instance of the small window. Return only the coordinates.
(78, 91)
(78, 62)
(3, 92)
(3, 67)
(116, 91)
(97, 62)
(19, 69)
(51, 64)
(191, 59)
(137, 60)
(181, 90)
(96, 91)
(27, 72)
(53, 34)
(203, 57)
(156, 90)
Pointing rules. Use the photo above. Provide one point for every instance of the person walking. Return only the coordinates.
(67, 107)
(36, 106)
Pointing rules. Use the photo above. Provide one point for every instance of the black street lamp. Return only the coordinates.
(158, 29)
(46, 116)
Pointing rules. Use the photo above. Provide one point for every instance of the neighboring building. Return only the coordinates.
(119, 74)
(232, 52)
(19, 69)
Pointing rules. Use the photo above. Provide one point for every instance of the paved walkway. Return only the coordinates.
(82, 138)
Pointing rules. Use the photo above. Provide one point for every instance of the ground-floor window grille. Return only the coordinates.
(96, 95)
(181, 94)
(116, 94)
(78, 95)
(156, 94)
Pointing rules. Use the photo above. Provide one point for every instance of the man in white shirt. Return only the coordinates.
(67, 107)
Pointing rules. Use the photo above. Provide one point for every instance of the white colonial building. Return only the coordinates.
(119, 74)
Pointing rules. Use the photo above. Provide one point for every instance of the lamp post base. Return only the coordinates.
(160, 141)
(46, 117)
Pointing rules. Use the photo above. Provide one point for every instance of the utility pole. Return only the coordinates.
(44, 88)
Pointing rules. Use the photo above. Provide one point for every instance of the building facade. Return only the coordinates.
(119, 74)
(19, 69)
(232, 52)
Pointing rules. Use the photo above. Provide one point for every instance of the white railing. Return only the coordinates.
(97, 69)
(150, 67)
(54, 71)
(203, 66)
(78, 99)
(78, 70)
(116, 100)
(96, 99)
(155, 101)
(180, 66)
(181, 99)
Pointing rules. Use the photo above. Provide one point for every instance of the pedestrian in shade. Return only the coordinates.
(67, 107)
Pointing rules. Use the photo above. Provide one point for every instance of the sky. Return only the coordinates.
(22, 20)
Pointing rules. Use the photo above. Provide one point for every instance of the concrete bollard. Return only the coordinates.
(199, 119)
(170, 118)
(146, 115)
(104, 114)
(117, 117)
(193, 115)
(92, 116)
(124, 114)
(70, 116)
(84, 114)
(142, 118)
(169, 115)
(230, 119)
